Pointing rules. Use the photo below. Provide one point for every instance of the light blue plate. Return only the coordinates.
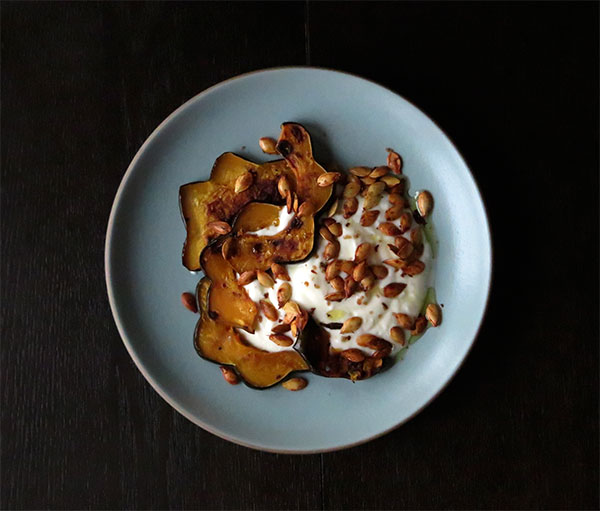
(352, 120)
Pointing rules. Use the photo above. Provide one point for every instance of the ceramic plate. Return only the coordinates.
(351, 121)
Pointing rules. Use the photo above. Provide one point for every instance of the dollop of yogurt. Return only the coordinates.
(309, 286)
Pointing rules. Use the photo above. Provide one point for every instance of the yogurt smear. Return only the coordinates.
(309, 286)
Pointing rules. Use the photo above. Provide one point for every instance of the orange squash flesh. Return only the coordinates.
(222, 344)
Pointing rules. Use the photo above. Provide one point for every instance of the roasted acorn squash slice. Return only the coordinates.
(246, 251)
(228, 301)
(204, 202)
(222, 344)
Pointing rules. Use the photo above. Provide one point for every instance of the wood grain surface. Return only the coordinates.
(515, 85)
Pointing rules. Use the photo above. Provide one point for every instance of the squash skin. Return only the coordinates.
(222, 344)
(227, 300)
(246, 251)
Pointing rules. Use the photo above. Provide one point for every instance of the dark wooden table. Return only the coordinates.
(514, 84)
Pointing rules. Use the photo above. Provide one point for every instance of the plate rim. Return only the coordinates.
(157, 386)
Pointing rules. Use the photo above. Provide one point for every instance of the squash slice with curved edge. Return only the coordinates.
(227, 301)
(215, 200)
(204, 202)
(246, 251)
(222, 344)
(295, 146)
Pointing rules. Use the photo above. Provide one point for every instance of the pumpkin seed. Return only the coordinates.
(284, 294)
(424, 203)
(353, 355)
(328, 178)
(244, 182)
(433, 313)
(265, 279)
(394, 289)
(229, 375)
(268, 309)
(281, 340)
(360, 171)
(351, 325)
(295, 384)
(379, 172)
(404, 320)
(246, 277)
(268, 144)
(368, 217)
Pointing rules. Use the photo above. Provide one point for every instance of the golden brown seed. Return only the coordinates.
(373, 195)
(379, 172)
(335, 228)
(352, 179)
(399, 188)
(338, 296)
(351, 325)
(367, 340)
(328, 178)
(404, 248)
(368, 217)
(281, 339)
(363, 251)
(404, 320)
(351, 189)
(267, 144)
(306, 209)
(395, 263)
(284, 293)
(292, 309)
(246, 277)
(268, 309)
(397, 335)
(289, 201)
(405, 221)
(295, 384)
(333, 269)
(382, 353)
(420, 325)
(390, 181)
(295, 203)
(377, 363)
(424, 203)
(360, 271)
(416, 236)
(294, 328)
(244, 182)
(393, 213)
(433, 313)
(333, 208)
(389, 229)
(337, 283)
(367, 283)
(380, 272)
(380, 344)
(283, 186)
(265, 279)
(353, 355)
(229, 375)
(360, 171)
(349, 207)
(348, 267)
(279, 272)
(393, 289)
(394, 161)
(280, 329)
(218, 227)
(397, 200)
(350, 286)
(414, 268)
(368, 180)
(332, 250)
(326, 234)
(189, 302)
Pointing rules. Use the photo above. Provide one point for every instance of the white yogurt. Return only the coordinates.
(278, 225)
(309, 287)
